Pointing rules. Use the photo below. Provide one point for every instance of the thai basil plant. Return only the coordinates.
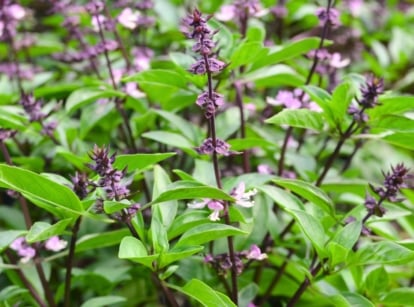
(206, 153)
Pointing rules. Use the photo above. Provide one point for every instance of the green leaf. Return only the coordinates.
(399, 297)
(191, 190)
(383, 252)
(186, 128)
(115, 206)
(10, 292)
(100, 240)
(84, 96)
(103, 301)
(41, 231)
(377, 281)
(48, 193)
(133, 249)
(178, 253)
(308, 192)
(348, 235)
(169, 138)
(159, 235)
(277, 75)
(186, 221)
(357, 300)
(282, 197)
(159, 84)
(392, 105)
(341, 99)
(10, 118)
(394, 123)
(207, 232)
(337, 254)
(245, 53)
(401, 139)
(140, 161)
(164, 212)
(301, 118)
(205, 295)
(324, 100)
(290, 51)
(8, 236)
(313, 230)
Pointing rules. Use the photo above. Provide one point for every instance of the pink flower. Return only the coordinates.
(96, 20)
(243, 198)
(286, 98)
(55, 244)
(264, 169)
(255, 253)
(23, 249)
(128, 18)
(212, 204)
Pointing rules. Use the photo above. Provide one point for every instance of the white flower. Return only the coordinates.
(128, 18)
(243, 198)
(212, 204)
(255, 253)
(55, 244)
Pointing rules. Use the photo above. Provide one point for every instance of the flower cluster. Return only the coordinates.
(33, 108)
(370, 92)
(393, 182)
(196, 28)
(222, 262)
(110, 178)
(295, 99)
(208, 148)
(27, 252)
(10, 15)
(328, 15)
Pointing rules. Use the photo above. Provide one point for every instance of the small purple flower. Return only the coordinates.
(264, 169)
(286, 98)
(370, 91)
(32, 107)
(331, 16)
(94, 7)
(208, 148)
(55, 244)
(23, 249)
(80, 184)
(6, 134)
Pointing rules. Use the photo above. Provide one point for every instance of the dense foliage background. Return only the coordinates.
(214, 153)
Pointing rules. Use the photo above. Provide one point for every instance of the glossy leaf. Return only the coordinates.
(134, 250)
(103, 301)
(186, 221)
(207, 232)
(301, 118)
(49, 193)
(308, 192)
(84, 96)
(100, 240)
(392, 105)
(290, 51)
(191, 190)
(178, 253)
(245, 53)
(41, 231)
(399, 297)
(313, 230)
(205, 295)
(140, 161)
(384, 252)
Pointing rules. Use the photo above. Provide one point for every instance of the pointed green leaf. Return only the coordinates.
(399, 297)
(133, 249)
(41, 231)
(37, 187)
(348, 235)
(140, 161)
(186, 221)
(313, 230)
(83, 96)
(301, 118)
(178, 253)
(392, 105)
(103, 301)
(341, 99)
(308, 192)
(207, 232)
(245, 53)
(205, 295)
(383, 252)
